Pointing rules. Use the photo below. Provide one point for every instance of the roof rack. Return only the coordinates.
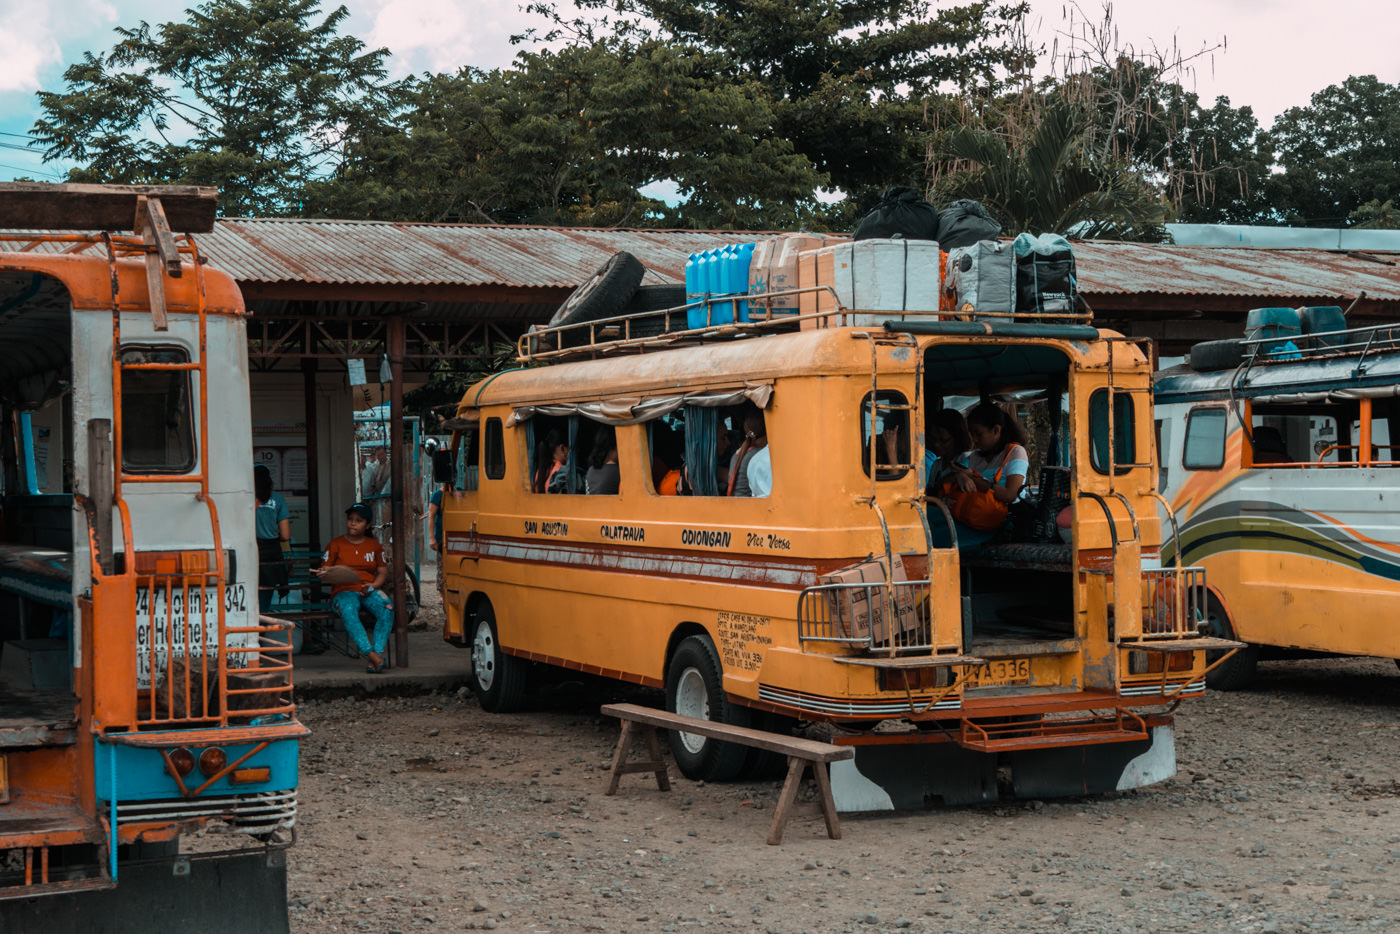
(644, 332)
(1350, 342)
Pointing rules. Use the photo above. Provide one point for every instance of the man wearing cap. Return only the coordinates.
(358, 552)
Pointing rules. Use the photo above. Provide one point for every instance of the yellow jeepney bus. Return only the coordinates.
(1039, 663)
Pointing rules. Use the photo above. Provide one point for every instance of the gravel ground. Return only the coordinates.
(428, 814)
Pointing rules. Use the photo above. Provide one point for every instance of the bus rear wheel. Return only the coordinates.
(695, 688)
(498, 679)
(1238, 670)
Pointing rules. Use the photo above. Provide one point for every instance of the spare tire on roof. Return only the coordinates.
(1217, 355)
(604, 294)
(653, 299)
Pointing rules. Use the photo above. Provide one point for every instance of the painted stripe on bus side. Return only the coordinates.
(748, 569)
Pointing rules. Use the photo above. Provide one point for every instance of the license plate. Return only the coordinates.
(162, 617)
(1002, 671)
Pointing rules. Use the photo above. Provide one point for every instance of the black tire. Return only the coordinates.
(695, 687)
(652, 299)
(1238, 669)
(764, 764)
(604, 294)
(1217, 355)
(498, 679)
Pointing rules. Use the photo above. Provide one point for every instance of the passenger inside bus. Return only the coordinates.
(948, 440)
(603, 475)
(985, 482)
(755, 440)
(551, 456)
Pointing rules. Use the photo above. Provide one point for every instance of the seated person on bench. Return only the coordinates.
(359, 552)
(996, 465)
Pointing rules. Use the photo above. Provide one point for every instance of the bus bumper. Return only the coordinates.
(215, 894)
(896, 777)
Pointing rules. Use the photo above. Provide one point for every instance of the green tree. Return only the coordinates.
(1338, 153)
(570, 137)
(1213, 163)
(848, 80)
(1373, 215)
(250, 95)
(1038, 174)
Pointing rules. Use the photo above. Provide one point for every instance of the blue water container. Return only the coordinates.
(694, 285)
(706, 284)
(736, 280)
(1265, 323)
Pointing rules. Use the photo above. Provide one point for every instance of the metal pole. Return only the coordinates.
(313, 460)
(397, 478)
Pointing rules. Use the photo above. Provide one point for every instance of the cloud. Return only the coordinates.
(446, 35)
(27, 47)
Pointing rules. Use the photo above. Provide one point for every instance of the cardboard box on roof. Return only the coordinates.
(860, 612)
(774, 269)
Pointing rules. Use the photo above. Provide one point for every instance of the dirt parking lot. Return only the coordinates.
(428, 814)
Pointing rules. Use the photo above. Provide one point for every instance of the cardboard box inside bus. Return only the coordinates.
(883, 276)
(855, 615)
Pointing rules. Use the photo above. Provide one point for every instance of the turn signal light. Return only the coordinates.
(1182, 661)
(212, 761)
(183, 760)
(250, 776)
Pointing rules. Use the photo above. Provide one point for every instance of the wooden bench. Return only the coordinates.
(801, 754)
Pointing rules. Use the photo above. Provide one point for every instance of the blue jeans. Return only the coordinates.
(348, 603)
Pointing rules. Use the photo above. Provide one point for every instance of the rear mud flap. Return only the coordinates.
(915, 777)
(1094, 770)
(226, 895)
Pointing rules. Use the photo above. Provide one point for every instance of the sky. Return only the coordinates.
(1269, 54)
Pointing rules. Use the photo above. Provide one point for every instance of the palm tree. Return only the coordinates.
(1042, 175)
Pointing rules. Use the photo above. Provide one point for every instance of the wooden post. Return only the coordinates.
(396, 485)
(313, 461)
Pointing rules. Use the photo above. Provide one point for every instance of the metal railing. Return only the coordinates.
(878, 616)
(192, 671)
(1173, 602)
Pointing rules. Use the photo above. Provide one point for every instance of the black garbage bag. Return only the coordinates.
(900, 214)
(964, 223)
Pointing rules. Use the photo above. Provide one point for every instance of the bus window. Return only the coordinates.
(602, 471)
(495, 450)
(1164, 444)
(666, 442)
(157, 425)
(552, 459)
(467, 456)
(1383, 452)
(1124, 443)
(888, 411)
(1205, 440)
(1298, 435)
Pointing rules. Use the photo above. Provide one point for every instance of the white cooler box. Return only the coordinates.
(880, 279)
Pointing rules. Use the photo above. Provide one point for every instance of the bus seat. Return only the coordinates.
(1268, 446)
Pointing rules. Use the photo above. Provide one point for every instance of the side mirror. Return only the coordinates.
(442, 466)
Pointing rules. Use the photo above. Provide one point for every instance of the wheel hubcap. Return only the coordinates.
(484, 656)
(692, 700)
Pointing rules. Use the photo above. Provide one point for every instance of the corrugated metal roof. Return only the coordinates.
(268, 251)
(1166, 269)
(378, 253)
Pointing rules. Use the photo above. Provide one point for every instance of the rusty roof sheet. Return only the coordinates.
(381, 253)
(1255, 272)
(350, 253)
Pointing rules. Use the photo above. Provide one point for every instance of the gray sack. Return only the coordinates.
(983, 277)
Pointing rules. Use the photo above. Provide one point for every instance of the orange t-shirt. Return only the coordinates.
(365, 559)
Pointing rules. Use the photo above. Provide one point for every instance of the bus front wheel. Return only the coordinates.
(695, 688)
(1237, 670)
(498, 679)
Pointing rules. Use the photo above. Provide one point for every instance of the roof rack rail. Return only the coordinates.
(1351, 342)
(648, 331)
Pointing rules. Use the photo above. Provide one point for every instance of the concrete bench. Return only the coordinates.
(801, 755)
